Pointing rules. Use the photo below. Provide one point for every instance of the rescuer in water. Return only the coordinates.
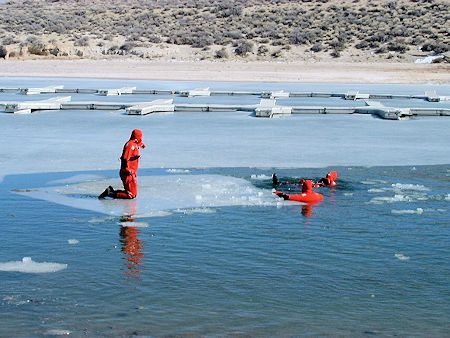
(328, 181)
(129, 163)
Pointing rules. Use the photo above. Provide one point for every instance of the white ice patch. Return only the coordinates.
(196, 211)
(417, 211)
(409, 187)
(14, 300)
(369, 182)
(401, 257)
(73, 241)
(27, 265)
(135, 224)
(261, 177)
(178, 171)
(57, 332)
(159, 194)
(395, 198)
(374, 190)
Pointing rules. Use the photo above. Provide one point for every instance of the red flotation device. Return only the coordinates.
(313, 197)
(307, 195)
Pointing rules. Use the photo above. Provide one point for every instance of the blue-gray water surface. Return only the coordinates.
(371, 259)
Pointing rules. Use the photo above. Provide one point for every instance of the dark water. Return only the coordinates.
(371, 259)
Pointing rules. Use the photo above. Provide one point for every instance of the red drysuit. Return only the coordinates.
(129, 166)
(307, 187)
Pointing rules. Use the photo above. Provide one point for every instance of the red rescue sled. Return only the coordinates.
(309, 197)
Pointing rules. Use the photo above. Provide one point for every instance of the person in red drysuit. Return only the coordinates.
(307, 186)
(129, 163)
(328, 181)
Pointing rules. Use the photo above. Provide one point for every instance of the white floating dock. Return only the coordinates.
(30, 106)
(43, 90)
(279, 94)
(356, 95)
(387, 113)
(156, 106)
(196, 92)
(116, 91)
(431, 96)
(268, 108)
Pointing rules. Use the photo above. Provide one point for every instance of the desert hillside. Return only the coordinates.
(263, 30)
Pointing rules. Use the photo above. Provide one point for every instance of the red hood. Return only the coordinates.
(136, 134)
(332, 175)
(307, 186)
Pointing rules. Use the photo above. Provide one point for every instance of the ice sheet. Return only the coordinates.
(90, 141)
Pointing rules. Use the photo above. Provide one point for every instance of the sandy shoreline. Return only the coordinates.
(301, 72)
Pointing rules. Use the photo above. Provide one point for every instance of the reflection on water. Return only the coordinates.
(307, 210)
(132, 246)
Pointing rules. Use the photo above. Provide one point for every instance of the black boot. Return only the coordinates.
(109, 192)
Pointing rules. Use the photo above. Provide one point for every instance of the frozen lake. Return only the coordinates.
(206, 248)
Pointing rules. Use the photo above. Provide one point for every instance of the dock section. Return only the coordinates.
(196, 92)
(156, 106)
(42, 90)
(28, 107)
(116, 91)
(269, 108)
(279, 94)
(430, 96)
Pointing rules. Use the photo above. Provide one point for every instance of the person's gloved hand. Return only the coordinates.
(131, 172)
(142, 145)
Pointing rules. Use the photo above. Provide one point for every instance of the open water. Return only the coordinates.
(371, 259)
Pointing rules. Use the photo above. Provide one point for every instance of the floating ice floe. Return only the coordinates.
(73, 241)
(158, 195)
(417, 211)
(135, 224)
(196, 211)
(395, 198)
(27, 265)
(410, 187)
(57, 332)
(260, 177)
(401, 257)
(375, 190)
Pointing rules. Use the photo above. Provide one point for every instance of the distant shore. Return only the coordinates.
(302, 72)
